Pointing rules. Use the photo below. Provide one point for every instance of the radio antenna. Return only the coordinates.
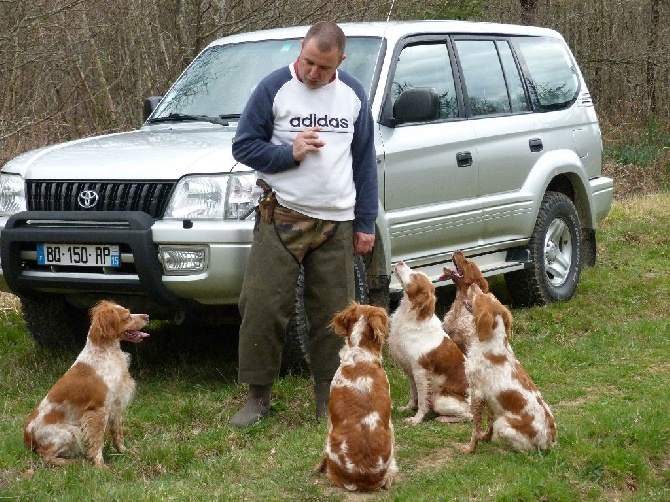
(388, 16)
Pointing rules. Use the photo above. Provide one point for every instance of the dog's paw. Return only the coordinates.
(415, 420)
(466, 448)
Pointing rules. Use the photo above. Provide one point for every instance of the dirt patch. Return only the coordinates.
(9, 302)
(438, 458)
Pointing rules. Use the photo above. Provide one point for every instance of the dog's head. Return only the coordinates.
(110, 321)
(364, 326)
(418, 290)
(488, 312)
(464, 273)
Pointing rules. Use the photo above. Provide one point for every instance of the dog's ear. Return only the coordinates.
(507, 320)
(344, 319)
(484, 324)
(422, 294)
(105, 321)
(427, 307)
(379, 322)
(483, 284)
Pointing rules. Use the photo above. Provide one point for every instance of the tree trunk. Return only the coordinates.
(528, 11)
(652, 54)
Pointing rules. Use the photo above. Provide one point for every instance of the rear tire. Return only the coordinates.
(556, 255)
(53, 323)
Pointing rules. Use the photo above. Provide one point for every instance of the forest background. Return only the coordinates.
(74, 68)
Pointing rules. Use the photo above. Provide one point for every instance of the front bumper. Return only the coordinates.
(141, 273)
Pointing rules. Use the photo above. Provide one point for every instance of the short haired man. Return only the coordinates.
(307, 131)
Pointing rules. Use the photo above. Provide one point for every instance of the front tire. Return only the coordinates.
(556, 255)
(53, 323)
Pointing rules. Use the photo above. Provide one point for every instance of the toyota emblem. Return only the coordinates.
(87, 199)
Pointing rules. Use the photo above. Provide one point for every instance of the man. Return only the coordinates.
(307, 130)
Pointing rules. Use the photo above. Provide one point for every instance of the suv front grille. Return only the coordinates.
(150, 197)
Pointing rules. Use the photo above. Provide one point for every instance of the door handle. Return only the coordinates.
(535, 145)
(464, 159)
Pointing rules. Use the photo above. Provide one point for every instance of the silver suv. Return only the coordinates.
(487, 141)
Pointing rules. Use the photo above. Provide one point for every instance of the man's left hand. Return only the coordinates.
(363, 243)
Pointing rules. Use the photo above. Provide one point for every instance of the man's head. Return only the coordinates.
(321, 54)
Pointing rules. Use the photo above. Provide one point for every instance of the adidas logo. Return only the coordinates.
(324, 121)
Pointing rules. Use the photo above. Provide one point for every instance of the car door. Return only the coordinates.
(429, 195)
(508, 142)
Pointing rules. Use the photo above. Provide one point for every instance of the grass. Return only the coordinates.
(636, 154)
(601, 361)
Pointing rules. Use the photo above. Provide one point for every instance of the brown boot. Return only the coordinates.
(256, 407)
(322, 398)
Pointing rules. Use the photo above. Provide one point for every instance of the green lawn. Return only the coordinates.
(601, 360)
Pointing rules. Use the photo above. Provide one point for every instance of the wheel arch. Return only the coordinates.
(570, 184)
(562, 171)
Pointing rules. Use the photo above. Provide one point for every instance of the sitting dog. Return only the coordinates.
(433, 363)
(92, 395)
(458, 321)
(517, 413)
(359, 452)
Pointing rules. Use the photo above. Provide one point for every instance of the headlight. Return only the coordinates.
(12, 194)
(212, 197)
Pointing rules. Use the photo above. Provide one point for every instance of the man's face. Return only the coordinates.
(316, 68)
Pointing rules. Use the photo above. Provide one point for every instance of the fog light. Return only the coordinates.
(183, 260)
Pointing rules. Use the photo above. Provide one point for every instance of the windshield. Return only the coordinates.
(220, 80)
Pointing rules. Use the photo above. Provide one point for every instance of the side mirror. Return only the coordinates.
(149, 106)
(418, 104)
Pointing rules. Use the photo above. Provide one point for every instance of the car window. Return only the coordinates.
(427, 65)
(483, 76)
(221, 79)
(517, 96)
(551, 74)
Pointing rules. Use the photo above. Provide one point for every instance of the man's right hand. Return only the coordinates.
(305, 142)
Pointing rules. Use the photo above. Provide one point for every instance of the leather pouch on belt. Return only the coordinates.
(266, 206)
(267, 201)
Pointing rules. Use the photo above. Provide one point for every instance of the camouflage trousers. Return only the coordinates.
(267, 299)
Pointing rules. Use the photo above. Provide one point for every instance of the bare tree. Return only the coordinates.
(71, 68)
(652, 53)
(528, 11)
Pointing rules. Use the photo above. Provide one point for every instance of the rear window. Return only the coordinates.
(550, 72)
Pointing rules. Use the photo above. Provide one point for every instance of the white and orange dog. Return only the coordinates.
(433, 363)
(498, 383)
(458, 321)
(359, 452)
(92, 395)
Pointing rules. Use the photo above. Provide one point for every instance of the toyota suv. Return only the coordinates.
(487, 141)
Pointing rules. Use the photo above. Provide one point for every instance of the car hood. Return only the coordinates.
(157, 152)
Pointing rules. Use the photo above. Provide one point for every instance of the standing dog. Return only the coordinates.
(458, 321)
(433, 363)
(517, 413)
(92, 395)
(359, 452)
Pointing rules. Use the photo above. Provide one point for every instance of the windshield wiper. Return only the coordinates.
(229, 116)
(182, 117)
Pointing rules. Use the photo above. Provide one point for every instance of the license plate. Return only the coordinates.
(80, 255)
